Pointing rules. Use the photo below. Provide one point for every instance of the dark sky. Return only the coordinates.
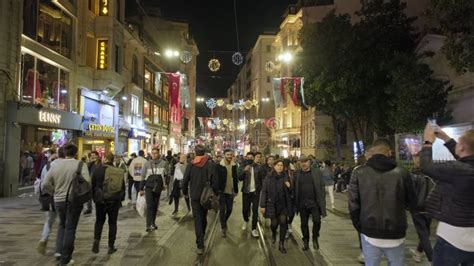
(212, 26)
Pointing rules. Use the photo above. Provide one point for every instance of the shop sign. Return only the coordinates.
(98, 118)
(102, 54)
(123, 133)
(104, 7)
(48, 117)
(137, 133)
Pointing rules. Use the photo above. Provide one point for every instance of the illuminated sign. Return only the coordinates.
(104, 7)
(47, 117)
(103, 128)
(136, 133)
(102, 50)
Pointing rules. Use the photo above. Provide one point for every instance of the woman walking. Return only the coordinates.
(275, 202)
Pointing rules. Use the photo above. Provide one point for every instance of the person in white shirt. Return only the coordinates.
(176, 182)
(135, 170)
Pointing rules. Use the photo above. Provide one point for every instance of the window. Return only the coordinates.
(91, 6)
(43, 83)
(156, 114)
(135, 109)
(117, 55)
(47, 24)
(90, 51)
(165, 93)
(146, 111)
(148, 79)
(117, 10)
(135, 76)
(158, 84)
(269, 48)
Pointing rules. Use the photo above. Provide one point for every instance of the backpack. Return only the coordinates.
(46, 200)
(113, 183)
(424, 187)
(155, 180)
(79, 191)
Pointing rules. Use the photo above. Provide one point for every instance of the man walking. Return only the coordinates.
(136, 169)
(252, 177)
(154, 179)
(452, 200)
(228, 188)
(200, 171)
(108, 187)
(310, 199)
(176, 182)
(379, 193)
(93, 164)
(57, 181)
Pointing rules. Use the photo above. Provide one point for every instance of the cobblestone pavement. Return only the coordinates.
(174, 241)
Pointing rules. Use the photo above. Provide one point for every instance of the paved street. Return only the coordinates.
(174, 242)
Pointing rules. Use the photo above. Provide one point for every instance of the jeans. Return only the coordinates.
(304, 214)
(48, 224)
(422, 224)
(330, 191)
(68, 220)
(102, 210)
(226, 204)
(250, 200)
(373, 254)
(200, 222)
(152, 202)
(129, 188)
(445, 254)
(175, 194)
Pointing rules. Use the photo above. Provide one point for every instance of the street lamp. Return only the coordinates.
(285, 57)
(266, 99)
(171, 53)
(199, 99)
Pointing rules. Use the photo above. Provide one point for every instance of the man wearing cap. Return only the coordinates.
(310, 199)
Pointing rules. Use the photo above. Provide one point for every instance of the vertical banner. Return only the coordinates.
(175, 106)
(184, 92)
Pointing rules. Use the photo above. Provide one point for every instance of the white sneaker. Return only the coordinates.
(333, 207)
(255, 233)
(71, 262)
(244, 226)
(287, 235)
(416, 256)
(361, 258)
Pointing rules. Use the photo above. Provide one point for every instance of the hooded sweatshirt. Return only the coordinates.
(197, 174)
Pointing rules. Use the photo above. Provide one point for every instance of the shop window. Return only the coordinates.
(148, 79)
(43, 83)
(146, 111)
(156, 114)
(47, 24)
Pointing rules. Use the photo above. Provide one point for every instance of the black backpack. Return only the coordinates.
(79, 191)
(155, 181)
(424, 187)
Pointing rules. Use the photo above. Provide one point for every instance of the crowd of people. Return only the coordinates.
(379, 193)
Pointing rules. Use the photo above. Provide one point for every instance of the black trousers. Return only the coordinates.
(250, 201)
(200, 222)
(68, 220)
(226, 203)
(136, 184)
(129, 188)
(175, 194)
(315, 217)
(422, 225)
(102, 210)
(282, 221)
(152, 202)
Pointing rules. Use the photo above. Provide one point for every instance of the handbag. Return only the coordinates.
(209, 199)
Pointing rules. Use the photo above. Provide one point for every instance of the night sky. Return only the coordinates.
(212, 25)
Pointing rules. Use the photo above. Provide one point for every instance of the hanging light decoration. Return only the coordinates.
(230, 107)
(220, 102)
(237, 59)
(186, 57)
(211, 103)
(248, 104)
(214, 65)
(269, 66)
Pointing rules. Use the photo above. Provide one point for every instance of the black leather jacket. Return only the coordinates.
(379, 193)
(259, 176)
(452, 201)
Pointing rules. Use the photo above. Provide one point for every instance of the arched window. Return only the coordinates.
(135, 76)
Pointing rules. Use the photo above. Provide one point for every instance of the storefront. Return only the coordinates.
(137, 140)
(100, 130)
(34, 129)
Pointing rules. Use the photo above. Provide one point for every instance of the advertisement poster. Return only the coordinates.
(99, 118)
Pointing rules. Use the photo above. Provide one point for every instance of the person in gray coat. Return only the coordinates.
(328, 177)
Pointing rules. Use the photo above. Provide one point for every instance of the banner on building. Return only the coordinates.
(293, 86)
(174, 99)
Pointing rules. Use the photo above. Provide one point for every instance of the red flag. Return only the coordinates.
(296, 87)
(174, 101)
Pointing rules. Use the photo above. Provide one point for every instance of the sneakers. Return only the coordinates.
(41, 248)
(244, 226)
(111, 250)
(200, 251)
(288, 233)
(95, 246)
(57, 256)
(224, 232)
(333, 207)
(416, 256)
(154, 227)
(174, 213)
(255, 233)
(71, 262)
(305, 245)
(361, 258)
(316, 244)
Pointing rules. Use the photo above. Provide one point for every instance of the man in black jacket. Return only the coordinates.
(228, 188)
(452, 201)
(379, 193)
(106, 204)
(200, 171)
(252, 176)
(310, 199)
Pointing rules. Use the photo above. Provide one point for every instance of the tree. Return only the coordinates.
(367, 74)
(455, 20)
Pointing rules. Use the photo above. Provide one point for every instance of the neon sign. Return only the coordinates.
(102, 54)
(47, 117)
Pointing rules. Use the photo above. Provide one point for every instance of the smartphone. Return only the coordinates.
(433, 123)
